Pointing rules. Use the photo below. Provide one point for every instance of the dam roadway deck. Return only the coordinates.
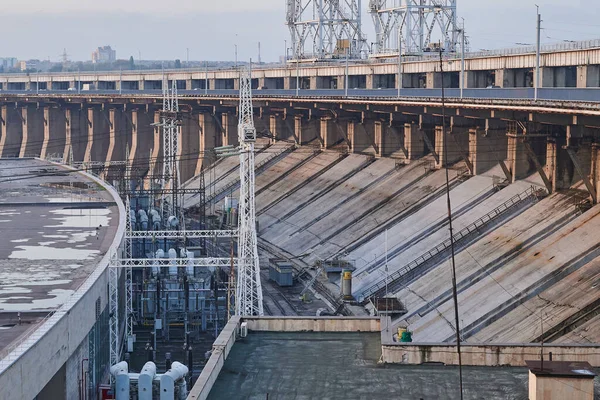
(58, 225)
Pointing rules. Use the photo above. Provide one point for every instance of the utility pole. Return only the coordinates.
(346, 83)
(78, 81)
(120, 81)
(259, 59)
(205, 77)
(236, 51)
(187, 62)
(462, 59)
(297, 77)
(285, 53)
(537, 54)
(399, 83)
(449, 204)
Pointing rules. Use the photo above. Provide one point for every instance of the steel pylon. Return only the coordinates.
(249, 298)
(170, 122)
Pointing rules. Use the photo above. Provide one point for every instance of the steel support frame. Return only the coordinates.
(249, 297)
(182, 234)
(323, 25)
(414, 23)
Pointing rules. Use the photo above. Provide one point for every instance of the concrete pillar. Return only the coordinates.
(595, 170)
(76, 136)
(393, 141)
(142, 140)
(120, 135)
(328, 133)
(413, 141)
(209, 136)
(486, 150)
(282, 129)
(588, 76)
(189, 146)
(12, 132)
(188, 84)
(212, 84)
(433, 80)
(32, 119)
(54, 132)
(307, 130)
(505, 78)
(363, 138)
(287, 83)
(447, 147)
(370, 81)
(379, 135)
(156, 166)
(141, 85)
(230, 134)
(236, 83)
(516, 157)
(98, 135)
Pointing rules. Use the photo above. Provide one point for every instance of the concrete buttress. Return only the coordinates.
(99, 135)
(413, 141)
(12, 132)
(54, 132)
(32, 119)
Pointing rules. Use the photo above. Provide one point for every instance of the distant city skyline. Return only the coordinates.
(41, 30)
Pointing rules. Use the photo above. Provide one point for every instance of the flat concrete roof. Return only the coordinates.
(56, 226)
(345, 366)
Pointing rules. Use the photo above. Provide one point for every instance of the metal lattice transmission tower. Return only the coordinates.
(249, 298)
(422, 24)
(170, 122)
(325, 28)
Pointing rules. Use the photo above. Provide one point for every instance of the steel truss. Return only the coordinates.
(249, 298)
(170, 122)
(184, 235)
(330, 28)
(172, 262)
(418, 24)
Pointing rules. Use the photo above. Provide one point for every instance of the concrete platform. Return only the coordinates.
(56, 226)
(344, 366)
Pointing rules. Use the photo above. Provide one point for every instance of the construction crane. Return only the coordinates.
(249, 298)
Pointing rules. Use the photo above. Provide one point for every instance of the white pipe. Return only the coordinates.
(167, 380)
(145, 381)
(120, 372)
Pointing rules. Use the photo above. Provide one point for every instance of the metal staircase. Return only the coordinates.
(394, 280)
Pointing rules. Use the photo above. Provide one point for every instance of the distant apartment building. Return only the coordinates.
(8, 62)
(104, 54)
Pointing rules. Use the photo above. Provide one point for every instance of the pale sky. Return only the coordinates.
(164, 29)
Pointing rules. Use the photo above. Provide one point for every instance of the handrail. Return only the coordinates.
(490, 216)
